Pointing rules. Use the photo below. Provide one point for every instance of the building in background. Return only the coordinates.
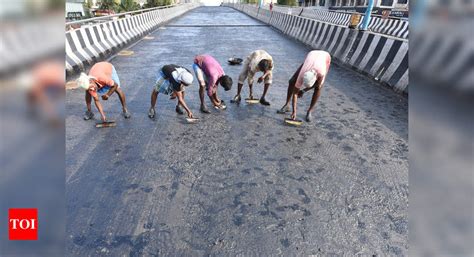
(74, 9)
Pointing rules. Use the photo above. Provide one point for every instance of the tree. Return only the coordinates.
(128, 5)
(87, 5)
(156, 3)
(287, 2)
(56, 4)
(108, 5)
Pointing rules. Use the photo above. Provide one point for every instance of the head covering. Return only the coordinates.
(187, 78)
(309, 78)
(83, 81)
(183, 76)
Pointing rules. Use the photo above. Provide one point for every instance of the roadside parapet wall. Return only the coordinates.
(378, 56)
(91, 43)
(391, 26)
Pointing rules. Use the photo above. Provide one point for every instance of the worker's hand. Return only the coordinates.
(300, 93)
(190, 115)
(216, 102)
(103, 118)
(260, 80)
(293, 116)
(105, 97)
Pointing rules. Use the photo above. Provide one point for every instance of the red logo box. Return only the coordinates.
(23, 224)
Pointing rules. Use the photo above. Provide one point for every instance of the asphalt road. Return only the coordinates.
(239, 182)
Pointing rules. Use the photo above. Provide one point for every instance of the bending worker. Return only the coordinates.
(102, 80)
(209, 74)
(257, 61)
(310, 75)
(172, 79)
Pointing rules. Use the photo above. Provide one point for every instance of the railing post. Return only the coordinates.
(368, 13)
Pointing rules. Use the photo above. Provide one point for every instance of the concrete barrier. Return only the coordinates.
(91, 43)
(441, 58)
(326, 16)
(380, 57)
(395, 27)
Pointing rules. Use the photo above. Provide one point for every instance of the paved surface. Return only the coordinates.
(240, 181)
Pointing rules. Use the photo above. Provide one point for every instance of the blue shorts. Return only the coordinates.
(115, 78)
(162, 85)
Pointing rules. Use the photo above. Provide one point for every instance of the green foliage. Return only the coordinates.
(87, 6)
(250, 1)
(108, 5)
(156, 3)
(288, 2)
(128, 5)
(56, 4)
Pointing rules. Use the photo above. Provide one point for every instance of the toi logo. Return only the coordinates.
(23, 224)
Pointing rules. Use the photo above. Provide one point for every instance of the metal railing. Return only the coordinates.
(112, 16)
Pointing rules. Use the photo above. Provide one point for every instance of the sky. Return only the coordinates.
(211, 2)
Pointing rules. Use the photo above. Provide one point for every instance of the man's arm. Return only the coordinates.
(110, 92)
(211, 93)
(182, 103)
(295, 99)
(99, 107)
(317, 84)
(304, 90)
(215, 100)
(265, 74)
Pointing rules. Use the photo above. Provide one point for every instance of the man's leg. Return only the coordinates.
(121, 95)
(202, 92)
(89, 114)
(201, 95)
(251, 90)
(314, 99)
(178, 108)
(202, 86)
(88, 101)
(242, 76)
(154, 96)
(265, 90)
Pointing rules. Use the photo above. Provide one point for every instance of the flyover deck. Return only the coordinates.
(240, 181)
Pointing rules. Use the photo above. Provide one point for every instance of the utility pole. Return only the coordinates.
(368, 13)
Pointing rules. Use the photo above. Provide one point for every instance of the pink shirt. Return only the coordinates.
(102, 72)
(317, 61)
(212, 69)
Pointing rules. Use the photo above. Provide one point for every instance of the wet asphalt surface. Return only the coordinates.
(239, 182)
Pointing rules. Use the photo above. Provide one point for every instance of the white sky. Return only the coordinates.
(211, 2)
